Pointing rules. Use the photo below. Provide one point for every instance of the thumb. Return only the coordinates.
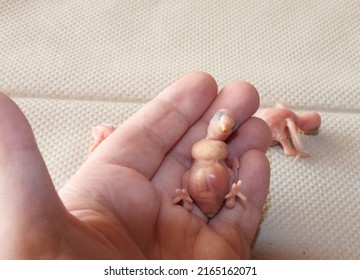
(27, 194)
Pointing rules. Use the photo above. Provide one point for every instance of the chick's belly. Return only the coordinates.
(209, 183)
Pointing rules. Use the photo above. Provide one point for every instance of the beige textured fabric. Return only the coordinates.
(71, 64)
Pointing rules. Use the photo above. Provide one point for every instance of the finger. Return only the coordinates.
(26, 190)
(254, 173)
(252, 134)
(155, 128)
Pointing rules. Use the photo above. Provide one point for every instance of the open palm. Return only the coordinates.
(119, 203)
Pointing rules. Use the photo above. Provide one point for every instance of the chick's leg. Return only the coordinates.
(182, 195)
(234, 192)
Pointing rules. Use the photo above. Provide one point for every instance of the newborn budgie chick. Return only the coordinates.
(212, 179)
(285, 124)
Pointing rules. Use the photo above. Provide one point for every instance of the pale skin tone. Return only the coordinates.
(119, 204)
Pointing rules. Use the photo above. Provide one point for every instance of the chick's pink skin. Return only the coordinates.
(209, 178)
(284, 123)
(212, 178)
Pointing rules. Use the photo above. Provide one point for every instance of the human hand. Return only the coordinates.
(118, 205)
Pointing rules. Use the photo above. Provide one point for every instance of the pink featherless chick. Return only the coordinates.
(212, 179)
(285, 124)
